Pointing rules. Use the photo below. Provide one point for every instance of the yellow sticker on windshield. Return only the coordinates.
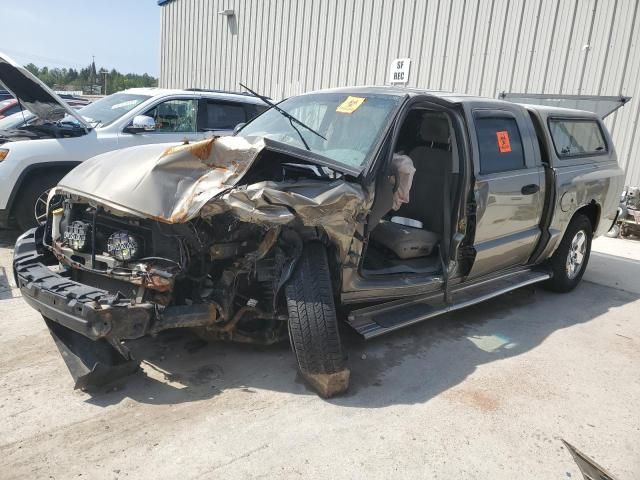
(350, 105)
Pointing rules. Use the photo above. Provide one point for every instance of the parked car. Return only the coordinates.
(19, 120)
(4, 95)
(393, 204)
(33, 159)
(16, 120)
(9, 107)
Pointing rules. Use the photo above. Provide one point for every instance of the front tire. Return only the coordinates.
(30, 206)
(570, 260)
(313, 324)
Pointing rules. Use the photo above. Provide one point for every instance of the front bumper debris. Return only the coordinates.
(88, 324)
(89, 311)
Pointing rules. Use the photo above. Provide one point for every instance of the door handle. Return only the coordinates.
(530, 189)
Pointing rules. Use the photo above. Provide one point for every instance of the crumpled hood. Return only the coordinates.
(34, 95)
(174, 184)
(166, 182)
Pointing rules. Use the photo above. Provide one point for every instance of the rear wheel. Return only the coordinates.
(625, 231)
(31, 204)
(313, 324)
(570, 259)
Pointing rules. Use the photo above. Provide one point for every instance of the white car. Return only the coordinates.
(37, 154)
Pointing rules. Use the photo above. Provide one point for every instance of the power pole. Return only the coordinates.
(92, 73)
(105, 73)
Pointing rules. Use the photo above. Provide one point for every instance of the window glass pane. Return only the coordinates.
(500, 145)
(577, 137)
(254, 110)
(224, 116)
(109, 109)
(261, 109)
(175, 116)
(350, 124)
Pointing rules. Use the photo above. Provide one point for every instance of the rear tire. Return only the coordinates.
(313, 324)
(24, 209)
(625, 231)
(570, 260)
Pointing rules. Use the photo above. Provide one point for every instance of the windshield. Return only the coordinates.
(109, 109)
(16, 120)
(351, 124)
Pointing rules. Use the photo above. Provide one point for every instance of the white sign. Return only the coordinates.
(400, 70)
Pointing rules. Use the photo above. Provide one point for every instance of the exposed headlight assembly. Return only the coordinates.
(123, 246)
(78, 236)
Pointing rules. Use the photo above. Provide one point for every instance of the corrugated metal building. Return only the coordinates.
(484, 47)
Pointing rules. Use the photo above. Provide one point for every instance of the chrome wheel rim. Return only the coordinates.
(40, 208)
(577, 251)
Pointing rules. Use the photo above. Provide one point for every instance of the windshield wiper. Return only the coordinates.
(286, 115)
(306, 145)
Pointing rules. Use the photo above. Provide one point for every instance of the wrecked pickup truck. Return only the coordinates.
(387, 205)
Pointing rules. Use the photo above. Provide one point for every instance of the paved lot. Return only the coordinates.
(485, 393)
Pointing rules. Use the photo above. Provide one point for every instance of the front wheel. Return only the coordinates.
(569, 261)
(313, 324)
(31, 204)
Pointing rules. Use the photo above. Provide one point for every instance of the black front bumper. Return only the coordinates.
(88, 324)
(89, 311)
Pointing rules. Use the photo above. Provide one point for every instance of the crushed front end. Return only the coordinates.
(117, 278)
(108, 268)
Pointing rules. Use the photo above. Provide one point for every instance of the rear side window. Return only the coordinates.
(255, 110)
(573, 137)
(224, 115)
(500, 144)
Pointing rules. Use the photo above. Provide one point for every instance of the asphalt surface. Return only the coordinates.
(487, 392)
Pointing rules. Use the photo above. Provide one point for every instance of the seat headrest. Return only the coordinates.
(434, 128)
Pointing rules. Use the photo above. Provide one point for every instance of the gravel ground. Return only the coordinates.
(487, 392)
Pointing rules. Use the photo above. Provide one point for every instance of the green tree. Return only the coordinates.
(89, 76)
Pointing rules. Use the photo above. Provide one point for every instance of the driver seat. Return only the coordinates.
(430, 158)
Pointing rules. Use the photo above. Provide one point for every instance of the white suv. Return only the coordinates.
(34, 157)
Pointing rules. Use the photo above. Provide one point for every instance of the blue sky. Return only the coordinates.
(122, 34)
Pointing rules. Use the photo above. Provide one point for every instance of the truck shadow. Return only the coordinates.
(407, 367)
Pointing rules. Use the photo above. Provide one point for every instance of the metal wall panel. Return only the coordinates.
(286, 47)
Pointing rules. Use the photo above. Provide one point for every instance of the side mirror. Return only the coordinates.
(141, 123)
(238, 127)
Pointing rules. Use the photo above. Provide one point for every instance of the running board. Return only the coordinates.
(371, 322)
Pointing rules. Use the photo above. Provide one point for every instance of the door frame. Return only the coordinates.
(357, 285)
(532, 160)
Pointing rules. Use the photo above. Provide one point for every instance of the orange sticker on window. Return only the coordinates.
(504, 145)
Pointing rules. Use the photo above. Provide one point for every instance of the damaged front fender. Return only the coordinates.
(336, 207)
